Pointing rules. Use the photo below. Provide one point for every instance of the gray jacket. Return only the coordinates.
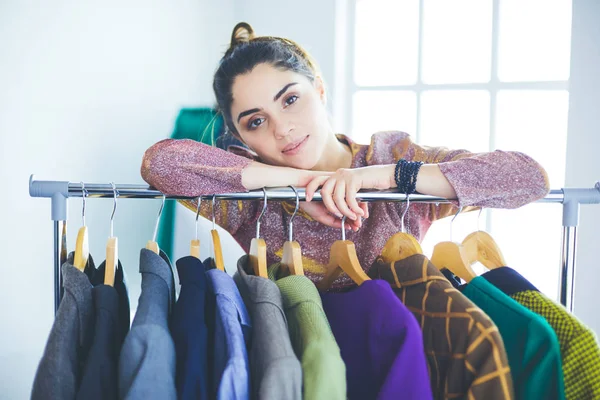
(60, 369)
(275, 370)
(147, 360)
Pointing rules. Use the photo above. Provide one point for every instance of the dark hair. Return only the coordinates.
(245, 52)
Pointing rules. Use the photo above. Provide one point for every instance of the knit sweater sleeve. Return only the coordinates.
(497, 179)
(185, 167)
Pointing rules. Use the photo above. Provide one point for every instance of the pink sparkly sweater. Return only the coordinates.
(498, 179)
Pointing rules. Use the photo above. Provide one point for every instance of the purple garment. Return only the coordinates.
(380, 341)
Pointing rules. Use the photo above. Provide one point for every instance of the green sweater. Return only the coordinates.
(323, 370)
(531, 344)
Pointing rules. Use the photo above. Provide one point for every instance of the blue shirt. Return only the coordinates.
(188, 328)
(229, 332)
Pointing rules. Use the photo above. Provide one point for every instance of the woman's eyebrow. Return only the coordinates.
(277, 96)
(247, 112)
(282, 91)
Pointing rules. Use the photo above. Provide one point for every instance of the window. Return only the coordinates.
(473, 74)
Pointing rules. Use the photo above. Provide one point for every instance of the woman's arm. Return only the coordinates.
(188, 168)
(498, 179)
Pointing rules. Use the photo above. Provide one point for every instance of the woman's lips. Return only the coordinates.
(295, 148)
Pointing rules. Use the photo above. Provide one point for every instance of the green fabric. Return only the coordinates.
(202, 125)
(323, 370)
(531, 345)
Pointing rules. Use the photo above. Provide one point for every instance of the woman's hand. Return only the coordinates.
(319, 213)
(338, 191)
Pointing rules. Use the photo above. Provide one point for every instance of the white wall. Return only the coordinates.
(583, 151)
(85, 88)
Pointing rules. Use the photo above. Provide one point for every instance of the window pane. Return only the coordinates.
(534, 40)
(529, 238)
(457, 119)
(535, 122)
(375, 111)
(457, 41)
(386, 39)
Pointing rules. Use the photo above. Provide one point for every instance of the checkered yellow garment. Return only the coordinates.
(578, 345)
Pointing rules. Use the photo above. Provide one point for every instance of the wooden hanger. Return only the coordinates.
(112, 248)
(480, 246)
(453, 256)
(112, 259)
(402, 244)
(216, 240)
(152, 245)
(258, 248)
(292, 254)
(342, 258)
(195, 243)
(82, 244)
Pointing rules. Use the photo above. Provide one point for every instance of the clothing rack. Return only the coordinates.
(60, 191)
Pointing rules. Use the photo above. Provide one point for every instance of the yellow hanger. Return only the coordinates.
(292, 254)
(195, 244)
(216, 240)
(152, 244)
(480, 246)
(82, 244)
(453, 256)
(402, 244)
(112, 247)
(258, 248)
(343, 258)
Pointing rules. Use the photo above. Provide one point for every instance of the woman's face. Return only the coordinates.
(281, 116)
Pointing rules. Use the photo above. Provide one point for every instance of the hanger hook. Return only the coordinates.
(452, 221)
(290, 230)
(213, 211)
(407, 200)
(261, 214)
(112, 216)
(158, 218)
(198, 214)
(343, 228)
(479, 217)
(83, 196)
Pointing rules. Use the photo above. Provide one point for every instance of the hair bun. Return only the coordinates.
(242, 32)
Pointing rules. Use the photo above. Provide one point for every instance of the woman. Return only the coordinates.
(273, 99)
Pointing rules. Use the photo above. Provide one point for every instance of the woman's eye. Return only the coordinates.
(291, 100)
(255, 123)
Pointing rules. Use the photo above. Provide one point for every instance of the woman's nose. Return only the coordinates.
(282, 129)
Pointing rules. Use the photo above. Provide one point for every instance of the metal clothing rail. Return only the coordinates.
(60, 191)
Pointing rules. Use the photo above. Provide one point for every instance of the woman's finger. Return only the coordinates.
(330, 220)
(353, 225)
(313, 185)
(326, 195)
(351, 201)
(339, 196)
(365, 207)
(319, 213)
